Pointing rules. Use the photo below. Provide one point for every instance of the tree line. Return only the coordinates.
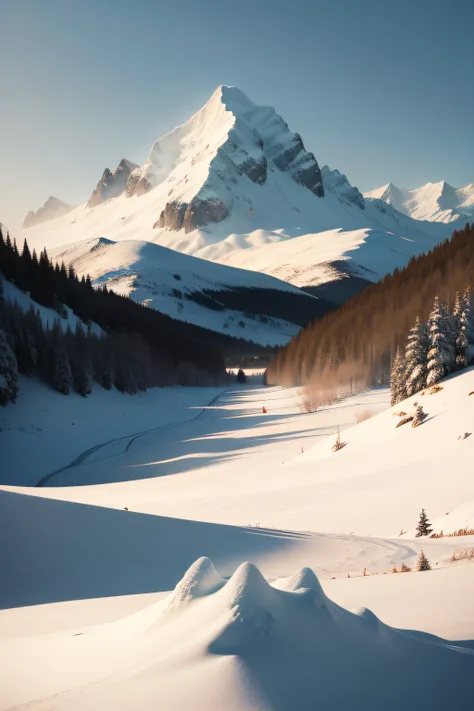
(357, 343)
(134, 348)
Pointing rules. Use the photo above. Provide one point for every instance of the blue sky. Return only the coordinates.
(381, 90)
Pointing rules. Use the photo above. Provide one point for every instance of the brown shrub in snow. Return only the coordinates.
(459, 532)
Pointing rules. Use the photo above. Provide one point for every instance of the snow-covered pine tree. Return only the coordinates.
(397, 379)
(8, 371)
(424, 526)
(416, 358)
(423, 563)
(441, 356)
(468, 316)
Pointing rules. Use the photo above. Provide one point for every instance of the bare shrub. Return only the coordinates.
(364, 415)
(464, 554)
(434, 389)
(333, 384)
(460, 532)
(405, 568)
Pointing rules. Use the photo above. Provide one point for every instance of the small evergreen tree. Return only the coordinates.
(423, 563)
(397, 379)
(416, 357)
(424, 526)
(8, 371)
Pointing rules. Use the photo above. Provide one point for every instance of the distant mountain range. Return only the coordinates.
(436, 202)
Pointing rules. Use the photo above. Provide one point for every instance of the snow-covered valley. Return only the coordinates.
(89, 619)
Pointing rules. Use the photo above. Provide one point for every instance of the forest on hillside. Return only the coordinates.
(137, 348)
(357, 343)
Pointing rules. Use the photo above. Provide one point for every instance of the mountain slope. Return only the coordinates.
(236, 302)
(232, 178)
(435, 202)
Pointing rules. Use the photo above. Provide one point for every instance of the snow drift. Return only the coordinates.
(244, 644)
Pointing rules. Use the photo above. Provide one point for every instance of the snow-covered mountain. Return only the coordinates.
(435, 202)
(52, 209)
(235, 178)
(240, 303)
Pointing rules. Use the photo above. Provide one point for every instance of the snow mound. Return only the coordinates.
(304, 581)
(201, 579)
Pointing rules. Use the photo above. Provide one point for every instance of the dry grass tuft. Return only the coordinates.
(459, 532)
(364, 415)
(434, 389)
(464, 554)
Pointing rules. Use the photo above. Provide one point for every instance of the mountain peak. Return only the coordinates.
(112, 182)
(203, 167)
(52, 208)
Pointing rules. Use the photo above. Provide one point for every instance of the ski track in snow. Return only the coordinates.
(85, 456)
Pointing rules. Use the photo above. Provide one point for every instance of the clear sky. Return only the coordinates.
(381, 90)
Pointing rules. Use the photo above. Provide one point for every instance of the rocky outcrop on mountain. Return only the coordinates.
(112, 183)
(337, 183)
(197, 213)
(51, 209)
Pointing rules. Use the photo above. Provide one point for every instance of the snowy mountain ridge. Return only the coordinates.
(234, 178)
(435, 202)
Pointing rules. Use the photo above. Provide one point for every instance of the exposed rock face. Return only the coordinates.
(337, 183)
(137, 184)
(293, 158)
(256, 170)
(51, 209)
(112, 183)
(197, 213)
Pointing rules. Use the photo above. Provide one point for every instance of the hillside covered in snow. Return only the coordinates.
(241, 303)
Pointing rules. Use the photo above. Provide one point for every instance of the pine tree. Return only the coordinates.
(461, 340)
(424, 526)
(441, 355)
(397, 379)
(416, 357)
(8, 371)
(468, 321)
(423, 563)
(62, 371)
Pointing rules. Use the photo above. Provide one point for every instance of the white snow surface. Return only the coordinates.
(96, 607)
(435, 202)
(163, 279)
(204, 159)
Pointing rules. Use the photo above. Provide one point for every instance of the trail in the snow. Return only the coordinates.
(130, 439)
